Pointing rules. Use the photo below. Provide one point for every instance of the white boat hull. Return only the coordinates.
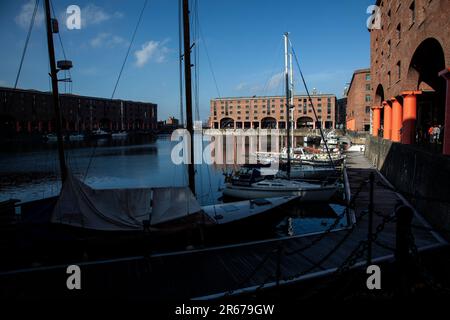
(225, 213)
(318, 194)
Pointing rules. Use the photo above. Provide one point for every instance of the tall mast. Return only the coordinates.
(291, 112)
(54, 77)
(288, 108)
(188, 93)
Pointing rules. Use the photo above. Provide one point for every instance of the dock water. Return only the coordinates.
(222, 271)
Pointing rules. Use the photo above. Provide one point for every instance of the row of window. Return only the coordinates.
(273, 100)
(281, 117)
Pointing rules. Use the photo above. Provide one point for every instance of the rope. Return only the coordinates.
(209, 59)
(129, 48)
(118, 78)
(311, 102)
(180, 48)
(30, 28)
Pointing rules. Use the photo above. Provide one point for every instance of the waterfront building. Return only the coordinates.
(359, 101)
(270, 112)
(410, 69)
(31, 111)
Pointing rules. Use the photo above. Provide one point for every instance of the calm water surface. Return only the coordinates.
(30, 171)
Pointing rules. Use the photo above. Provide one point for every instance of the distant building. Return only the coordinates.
(173, 121)
(359, 101)
(341, 108)
(31, 111)
(169, 125)
(270, 112)
(410, 67)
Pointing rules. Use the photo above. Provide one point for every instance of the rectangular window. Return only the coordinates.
(368, 98)
(399, 31)
(367, 110)
(367, 76)
(367, 87)
(389, 78)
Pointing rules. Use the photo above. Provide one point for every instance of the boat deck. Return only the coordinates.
(214, 272)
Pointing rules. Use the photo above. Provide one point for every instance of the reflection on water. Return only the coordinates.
(30, 172)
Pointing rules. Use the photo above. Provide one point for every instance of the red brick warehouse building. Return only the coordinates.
(410, 59)
(31, 111)
(359, 101)
(270, 112)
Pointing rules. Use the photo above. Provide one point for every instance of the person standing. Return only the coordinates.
(430, 134)
(437, 133)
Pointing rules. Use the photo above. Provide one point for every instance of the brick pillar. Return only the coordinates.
(397, 120)
(376, 120)
(446, 74)
(409, 116)
(387, 120)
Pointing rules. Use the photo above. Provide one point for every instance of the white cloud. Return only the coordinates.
(23, 19)
(151, 51)
(275, 81)
(241, 86)
(109, 40)
(92, 14)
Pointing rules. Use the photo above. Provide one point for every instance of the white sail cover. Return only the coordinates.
(120, 209)
(172, 203)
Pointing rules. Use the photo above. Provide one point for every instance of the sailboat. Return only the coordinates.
(258, 187)
(95, 218)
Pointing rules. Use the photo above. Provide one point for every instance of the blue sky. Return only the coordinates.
(243, 39)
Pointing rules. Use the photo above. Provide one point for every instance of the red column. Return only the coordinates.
(397, 120)
(376, 120)
(29, 126)
(446, 74)
(387, 120)
(18, 126)
(409, 116)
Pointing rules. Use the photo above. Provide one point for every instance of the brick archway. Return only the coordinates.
(420, 112)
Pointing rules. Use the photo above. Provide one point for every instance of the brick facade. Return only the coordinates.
(270, 112)
(359, 101)
(408, 53)
(28, 111)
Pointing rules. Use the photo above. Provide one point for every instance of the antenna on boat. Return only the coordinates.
(188, 93)
(288, 106)
(52, 27)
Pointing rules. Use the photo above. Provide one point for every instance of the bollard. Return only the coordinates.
(404, 216)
